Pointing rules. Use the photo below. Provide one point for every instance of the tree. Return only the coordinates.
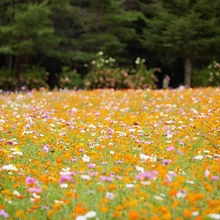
(86, 27)
(111, 28)
(182, 28)
(25, 30)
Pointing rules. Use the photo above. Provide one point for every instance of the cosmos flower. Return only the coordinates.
(3, 213)
(131, 154)
(10, 167)
(30, 180)
(46, 148)
(34, 190)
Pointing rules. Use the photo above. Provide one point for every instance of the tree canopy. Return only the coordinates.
(72, 32)
(183, 28)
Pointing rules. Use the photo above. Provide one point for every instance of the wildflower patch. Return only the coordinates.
(106, 154)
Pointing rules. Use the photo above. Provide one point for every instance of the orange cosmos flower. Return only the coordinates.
(104, 209)
(133, 215)
(79, 210)
(187, 213)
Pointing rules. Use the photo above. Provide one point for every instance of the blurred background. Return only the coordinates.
(120, 44)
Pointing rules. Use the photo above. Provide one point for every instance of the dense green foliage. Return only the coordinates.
(184, 28)
(208, 76)
(60, 39)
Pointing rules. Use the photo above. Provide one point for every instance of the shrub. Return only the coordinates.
(34, 77)
(208, 76)
(144, 77)
(214, 78)
(8, 79)
(70, 79)
(105, 74)
(200, 77)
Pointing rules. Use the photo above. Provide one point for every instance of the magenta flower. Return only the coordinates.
(93, 173)
(30, 180)
(181, 111)
(3, 213)
(73, 160)
(180, 152)
(170, 148)
(34, 190)
(165, 162)
(65, 178)
(97, 113)
(119, 177)
(46, 148)
(45, 207)
(106, 178)
(214, 177)
(170, 175)
(147, 175)
(91, 165)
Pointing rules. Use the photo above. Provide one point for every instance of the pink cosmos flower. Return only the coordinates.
(45, 207)
(165, 162)
(106, 178)
(207, 173)
(46, 148)
(73, 160)
(91, 165)
(119, 177)
(181, 111)
(97, 113)
(170, 148)
(214, 177)
(34, 190)
(180, 152)
(93, 173)
(147, 175)
(30, 180)
(3, 213)
(65, 178)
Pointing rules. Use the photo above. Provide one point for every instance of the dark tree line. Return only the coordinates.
(176, 35)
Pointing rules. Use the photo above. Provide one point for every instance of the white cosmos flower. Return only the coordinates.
(91, 214)
(140, 169)
(81, 217)
(86, 177)
(16, 193)
(214, 216)
(145, 183)
(109, 195)
(17, 153)
(158, 198)
(9, 167)
(198, 157)
(35, 196)
(86, 158)
(181, 194)
(64, 185)
(145, 157)
(130, 186)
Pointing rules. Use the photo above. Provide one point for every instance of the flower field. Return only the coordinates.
(108, 154)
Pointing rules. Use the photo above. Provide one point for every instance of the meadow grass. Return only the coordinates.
(105, 154)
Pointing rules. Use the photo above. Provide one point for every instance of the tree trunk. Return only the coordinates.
(187, 72)
(17, 71)
(10, 62)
